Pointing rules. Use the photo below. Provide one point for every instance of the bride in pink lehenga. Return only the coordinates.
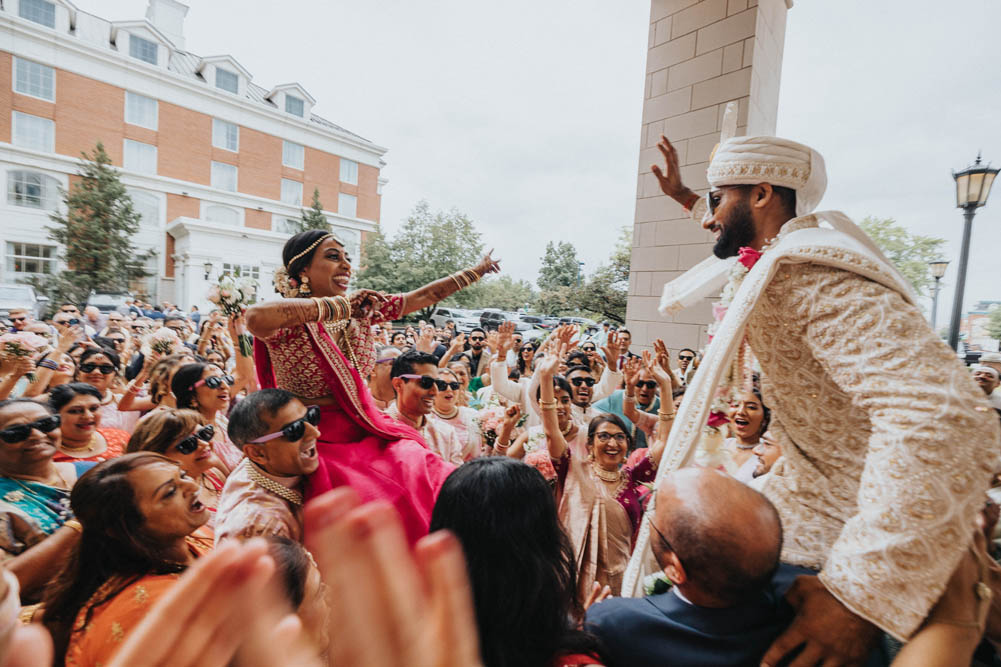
(318, 344)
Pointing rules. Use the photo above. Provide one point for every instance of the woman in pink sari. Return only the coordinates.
(318, 344)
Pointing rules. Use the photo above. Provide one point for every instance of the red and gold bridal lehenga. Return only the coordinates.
(359, 446)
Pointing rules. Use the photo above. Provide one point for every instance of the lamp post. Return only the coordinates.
(973, 186)
(937, 271)
(208, 269)
(580, 268)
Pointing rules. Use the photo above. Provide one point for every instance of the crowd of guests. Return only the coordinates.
(142, 470)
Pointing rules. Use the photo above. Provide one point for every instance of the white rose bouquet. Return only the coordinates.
(23, 344)
(232, 295)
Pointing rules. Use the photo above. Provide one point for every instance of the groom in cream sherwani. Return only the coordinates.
(888, 443)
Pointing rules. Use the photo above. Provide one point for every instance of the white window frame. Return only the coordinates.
(297, 99)
(52, 5)
(221, 135)
(293, 154)
(41, 70)
(137, 109)
(288, 186)
(233, 217)
(48, 186)
(141, 153)
(246, 270)
(11, 255)
(349, 171)
(343, 199)
(280, 224)
(224, 72)
(223, 170)
(18, 121)
(143, 41)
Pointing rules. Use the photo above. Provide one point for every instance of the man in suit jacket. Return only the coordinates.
(718, 542)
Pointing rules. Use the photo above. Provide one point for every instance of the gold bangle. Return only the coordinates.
(498, 445)
(629, 399)
(457, 283)
(74, 524)
(471, 275)
(551, 403)
(345, 307)
(549, 408)
(665, 416)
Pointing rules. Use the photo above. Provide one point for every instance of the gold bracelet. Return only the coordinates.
(457, 283)
(471, 275)
(74, 524)
(543, 403)
(665, 416)
(629, 399)
(345, 310)
(498, 445)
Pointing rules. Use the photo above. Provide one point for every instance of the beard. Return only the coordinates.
(736, 231)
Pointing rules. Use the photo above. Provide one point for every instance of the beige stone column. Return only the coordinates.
(702, 54)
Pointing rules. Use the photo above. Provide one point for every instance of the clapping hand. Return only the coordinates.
(363, 301)
(661, 365)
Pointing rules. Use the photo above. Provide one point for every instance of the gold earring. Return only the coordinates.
(304, 286)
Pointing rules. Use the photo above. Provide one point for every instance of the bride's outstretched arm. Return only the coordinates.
(264, 319)
(442, 288)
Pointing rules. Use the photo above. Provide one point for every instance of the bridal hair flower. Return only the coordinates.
(285, 285)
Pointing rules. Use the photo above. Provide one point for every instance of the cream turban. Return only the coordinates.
(753, 160)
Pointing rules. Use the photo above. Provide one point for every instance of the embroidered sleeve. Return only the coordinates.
(391, 309)
(645, 470)
(927, 464)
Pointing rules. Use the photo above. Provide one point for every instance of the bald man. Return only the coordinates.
(718, 541)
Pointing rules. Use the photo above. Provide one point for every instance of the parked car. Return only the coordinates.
(491, 319)
(14, 295)
(109, 301)
(536, 321)
(464, 321)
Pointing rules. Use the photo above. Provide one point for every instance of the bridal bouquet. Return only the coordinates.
(23, 344)
(541, 461)
(232, 296)
(163, 341)
(490, 421)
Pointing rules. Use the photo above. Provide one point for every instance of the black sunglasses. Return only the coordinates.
(190, 443)
(589, 349)
(476, 338)
(105, 369)
(579, 381)
(649, 384)
(21, 432)
(454, 386)
(426, 382)
(685, 358)
(214, 382)
(293, 431)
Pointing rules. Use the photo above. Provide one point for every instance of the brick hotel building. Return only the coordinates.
(215, 164)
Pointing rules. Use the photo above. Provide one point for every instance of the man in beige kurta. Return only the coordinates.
(887, 442)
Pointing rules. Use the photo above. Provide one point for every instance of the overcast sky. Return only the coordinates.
(526, 115)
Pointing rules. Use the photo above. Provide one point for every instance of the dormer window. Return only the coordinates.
(39, 11)
(295, 106)
(142, 49)
(226, 80)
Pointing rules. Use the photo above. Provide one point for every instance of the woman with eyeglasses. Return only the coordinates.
(98, 367)
(459, 417)
(317, 343)
(139, 514)
(36, 522)
(84, 437)
(205, 389)
(184, 437)
(599, 497)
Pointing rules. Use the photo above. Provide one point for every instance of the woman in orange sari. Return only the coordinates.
(318, 343)
(138, 513)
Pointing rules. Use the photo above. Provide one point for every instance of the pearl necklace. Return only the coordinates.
(606, 475)
(455, 411)
(274, 487)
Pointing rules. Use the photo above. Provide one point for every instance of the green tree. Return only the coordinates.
(559, 266)
(504, 292)
(312, 217)
(95, 234)
(605, 293)
(430, 245)
(909, 252)
(994, 324)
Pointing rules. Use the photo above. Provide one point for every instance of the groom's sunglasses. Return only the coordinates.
(293, 431)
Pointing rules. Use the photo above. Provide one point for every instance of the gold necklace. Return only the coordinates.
(85, 449)
(569, 427)
(605, 475)
(271, 485)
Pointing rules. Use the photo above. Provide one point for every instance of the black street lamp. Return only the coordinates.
(973, 186)
(937, 271)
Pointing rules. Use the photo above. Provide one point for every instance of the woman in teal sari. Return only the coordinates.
(36, 524)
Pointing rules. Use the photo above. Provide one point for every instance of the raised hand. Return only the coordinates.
(548, 364)
(612, 350)
(505, 338)
(597, 363)
(493, 338)
(457, 344)
(426, 342)
(631, 371)
(662, 360)
(669, 177)
(487, 265)
(663, 378)
(363, 301)
(512, 414)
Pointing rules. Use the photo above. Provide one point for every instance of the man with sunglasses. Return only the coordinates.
(19, 318)
(478, 354)
(866, 398)
(717, 541)
(416, 383)
(686, 366)
(641, 391)
(263, 494)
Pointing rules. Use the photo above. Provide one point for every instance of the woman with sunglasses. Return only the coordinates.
(159, 371)
(36, 523)
(205, 389)
(317, 343)
(84, 438)
(462, 419)
(184, 437)
(98, 367)
(599, 498)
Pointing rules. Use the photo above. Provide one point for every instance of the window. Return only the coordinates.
(292, 154)
(295, 106)
(222, 214)
(34, 79)
(31, 258)
(148, 208)
(225, 135)
(286, 225)
(142, 49)
(347, 205)
(33, 132)
(349, 171)
(291, 192)
(140, 110)
(140, 157)
(243, 270)
(32, 189)
(39, 11)
(226, 80)
(224, 176)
